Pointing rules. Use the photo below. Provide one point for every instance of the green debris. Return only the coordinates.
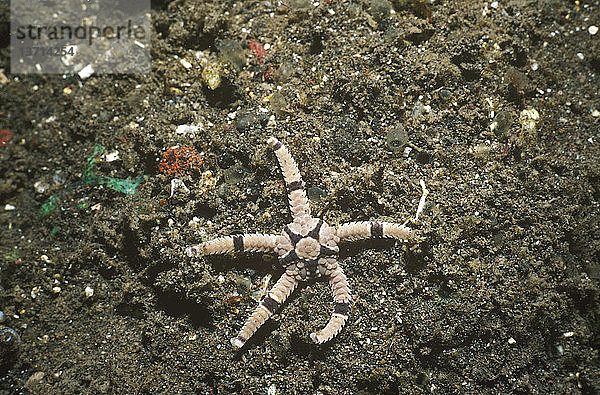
(48, 207)
(90, 177)
(54, 230)
(122, 185)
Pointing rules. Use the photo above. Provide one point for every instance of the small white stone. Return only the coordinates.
(184, 129)
(9, 207)
(56, 289)
(177, 185)
(595, 113)
(494, 5)
(568, 334)
(512, 341)
(111, 157)
(89, 292)
(580, 55)
(185, 63)
(86, 72)
(593, 30)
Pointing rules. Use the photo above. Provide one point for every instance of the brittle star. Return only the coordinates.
(307, 249)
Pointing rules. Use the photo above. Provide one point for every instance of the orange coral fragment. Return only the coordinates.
(179, 161)
(5, 136)
(258, 50)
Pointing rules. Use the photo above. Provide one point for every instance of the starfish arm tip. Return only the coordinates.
(194, 251)
(237, 343)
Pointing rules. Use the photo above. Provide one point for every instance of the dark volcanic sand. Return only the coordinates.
(500, 296)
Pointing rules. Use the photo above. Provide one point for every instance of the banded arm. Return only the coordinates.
(267, 307)
(369, 229)
(254, 242)
(341, 307)
(293, 180)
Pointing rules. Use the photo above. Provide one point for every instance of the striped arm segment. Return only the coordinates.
(369, 229)
(254, 242)
(341, 307)
(267, 307)
(293, 180)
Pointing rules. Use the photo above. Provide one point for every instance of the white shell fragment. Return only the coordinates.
(177, 185)
(86, 72)
(529, 118)
(184, 129)
(185, 63)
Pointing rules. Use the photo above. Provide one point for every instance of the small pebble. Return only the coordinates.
(481, 151)
(316, 193)
(185, 63)
(86, 72)
(278, 103)
(593, 30)
(89, 292)
(211, 75)
(40, 186)
(9, 207)
(502, 122)
(111, 157)
(184, 129)
(178, 185)
(246, 120)
(9, 342)
(512, 341)
(243, 284)
(34, 379)
(396, 138)
(56, 289)
(529, 118)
